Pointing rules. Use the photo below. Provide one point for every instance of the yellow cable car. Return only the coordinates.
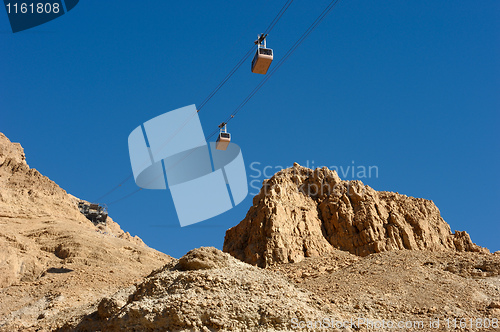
(223, 139)
(263, 57)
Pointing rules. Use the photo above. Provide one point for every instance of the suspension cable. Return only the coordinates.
(162, 175)
(246, 56)
(212, 94)
(311, 28)
(278, 17)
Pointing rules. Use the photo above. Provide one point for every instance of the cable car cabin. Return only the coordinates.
(96, 213)
(223, 141)
(262, 60)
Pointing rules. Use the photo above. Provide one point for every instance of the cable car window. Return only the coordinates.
(266, 51)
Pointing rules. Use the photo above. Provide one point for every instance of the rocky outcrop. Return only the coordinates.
(25, 193)
(53, 261)
(206, 290)
(301, 212)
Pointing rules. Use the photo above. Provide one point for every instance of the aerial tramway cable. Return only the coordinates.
(245, 57)
(212, 93)
(171, 167)
(311, 28)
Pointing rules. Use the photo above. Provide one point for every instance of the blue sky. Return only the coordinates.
(409, 87)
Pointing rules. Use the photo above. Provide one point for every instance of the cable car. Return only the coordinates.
(263, 57)
(223, 139)
(97, 213)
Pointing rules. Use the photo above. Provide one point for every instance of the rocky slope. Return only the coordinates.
(206, 290)
(53, 261)
(405, 285)
(25, 193)
(301, 213)
(59, 272)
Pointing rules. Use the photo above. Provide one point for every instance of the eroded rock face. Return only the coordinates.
(25, 193)
(207, 290)
(54, 262)
(301, 212)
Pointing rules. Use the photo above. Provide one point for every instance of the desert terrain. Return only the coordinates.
(314, 252)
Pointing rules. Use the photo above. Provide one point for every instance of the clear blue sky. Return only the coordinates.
(412, 87)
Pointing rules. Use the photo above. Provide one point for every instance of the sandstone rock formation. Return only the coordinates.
(25, 193)
(301, 212)
(206, 290)
(60, 272)
(53, 261)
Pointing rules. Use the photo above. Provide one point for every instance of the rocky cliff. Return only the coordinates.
(301, 212)
(53, 261)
